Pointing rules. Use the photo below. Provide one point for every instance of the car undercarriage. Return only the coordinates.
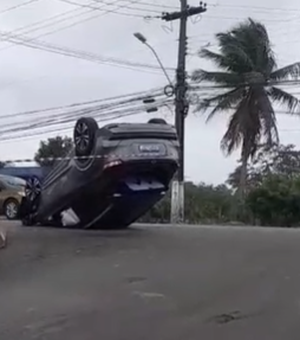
(112, 177)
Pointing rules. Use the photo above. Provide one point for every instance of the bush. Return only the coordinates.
(276, 202)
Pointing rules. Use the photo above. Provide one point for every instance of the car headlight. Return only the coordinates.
(21, 193)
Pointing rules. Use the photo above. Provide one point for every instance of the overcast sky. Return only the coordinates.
(33, 79)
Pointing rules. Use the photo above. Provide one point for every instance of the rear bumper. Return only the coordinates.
(161, 169)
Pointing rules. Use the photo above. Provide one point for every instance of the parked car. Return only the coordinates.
(31, 174)
(113, 175)
(12, 190)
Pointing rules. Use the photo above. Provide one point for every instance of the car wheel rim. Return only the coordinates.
(82, 136)
(11, 210)
(33, 188)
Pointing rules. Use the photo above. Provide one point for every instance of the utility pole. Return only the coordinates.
(181, 104)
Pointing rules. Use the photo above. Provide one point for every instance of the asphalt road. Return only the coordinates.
(171, 283)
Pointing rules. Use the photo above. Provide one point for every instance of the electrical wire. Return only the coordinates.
(145, 3)
(260, 8)
(7, 36)
(206, 85)
(101, 117)
(115, 11)
(62, 129)
(141, 94)
(139, 9)
(71, 2)
(73, 114)
(12, 8)
(93, 9)
(42, 45)
(69, 113)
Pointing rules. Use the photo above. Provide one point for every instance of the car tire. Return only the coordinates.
(11, 209)
(33, 188)
(84, 136)
(157, 121)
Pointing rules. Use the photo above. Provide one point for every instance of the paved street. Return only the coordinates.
(163, 283)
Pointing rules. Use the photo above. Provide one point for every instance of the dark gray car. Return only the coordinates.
(112, 176)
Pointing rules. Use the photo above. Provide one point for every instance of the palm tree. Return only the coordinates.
(249, 79)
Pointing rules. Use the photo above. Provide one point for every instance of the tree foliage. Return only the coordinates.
(272, 195)
(276, 201)
(250, 80)
(203, 204)
(283, 160)
(51, 149)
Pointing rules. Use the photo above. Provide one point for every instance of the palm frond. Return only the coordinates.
(220, 102)
(223, 78)
(285, 98)
(250, 42)
(232, 137)
(220, 60)
(290, 71)
(234, 134)
(265, 61)
(226, 101)
(267, 117)
(234, 51)
(244, 128)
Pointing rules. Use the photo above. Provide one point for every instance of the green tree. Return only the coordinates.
(203, 204)
(283, 160)
(51, 149)
(249, 78)
(276, 202)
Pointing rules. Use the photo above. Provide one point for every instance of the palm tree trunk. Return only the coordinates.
(243, 174)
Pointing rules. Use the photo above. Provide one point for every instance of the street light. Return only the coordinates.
(143, 40)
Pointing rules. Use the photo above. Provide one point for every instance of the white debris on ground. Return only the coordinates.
(69, 218)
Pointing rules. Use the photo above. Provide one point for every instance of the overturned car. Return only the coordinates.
(113, 176)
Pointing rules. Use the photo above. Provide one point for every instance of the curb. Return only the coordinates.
(2, 239)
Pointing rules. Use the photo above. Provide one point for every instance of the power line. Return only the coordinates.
(52, 21)
(33, 43)
(145, 3)
(42, 45)
(65, 123)
(156, 11)
(194, 85)
(69, 113)
(94, 8)
(60, 130)
(129, 7)
(115, 11)
(137, 95)
(284, 112)
(52, 18)
(266, 8)
(17, 6)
